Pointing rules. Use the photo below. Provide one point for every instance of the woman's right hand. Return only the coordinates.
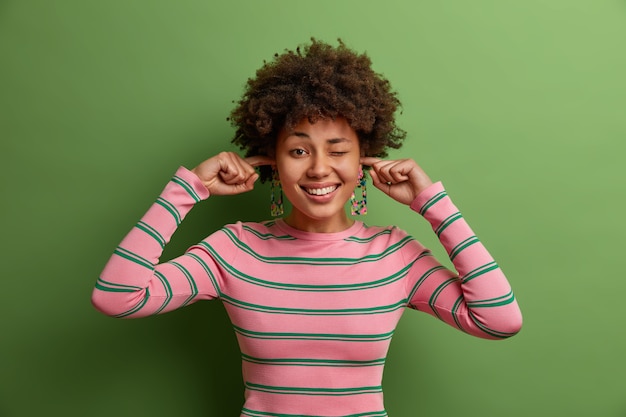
(228, 173)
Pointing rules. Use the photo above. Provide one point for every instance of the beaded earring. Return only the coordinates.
(359, 207)
(276, 196)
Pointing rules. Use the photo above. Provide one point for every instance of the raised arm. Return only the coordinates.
(133, 283)
(475, 298)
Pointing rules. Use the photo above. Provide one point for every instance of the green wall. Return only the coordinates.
(518, 106)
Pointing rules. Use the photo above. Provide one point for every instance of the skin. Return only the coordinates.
(318, 167)
(313, 159)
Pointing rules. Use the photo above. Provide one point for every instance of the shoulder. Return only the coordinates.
(266, 230)
(391, 232)
(381, 236)
(234, 237)
(390, 246)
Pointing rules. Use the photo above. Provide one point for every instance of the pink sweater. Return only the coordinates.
(314, 313)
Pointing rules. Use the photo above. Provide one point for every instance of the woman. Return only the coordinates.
(314, 296)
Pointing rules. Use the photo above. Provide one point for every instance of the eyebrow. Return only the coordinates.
(331, 141)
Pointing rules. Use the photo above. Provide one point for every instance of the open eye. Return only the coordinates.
(298, 152)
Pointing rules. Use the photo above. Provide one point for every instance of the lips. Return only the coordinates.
(320, 190)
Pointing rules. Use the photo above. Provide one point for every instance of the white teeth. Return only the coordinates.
(321, 191)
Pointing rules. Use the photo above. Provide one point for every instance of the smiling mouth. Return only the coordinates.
(320, 191)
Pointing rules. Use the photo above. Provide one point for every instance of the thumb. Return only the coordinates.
(382, 186)
(375, 178)
(250, 181)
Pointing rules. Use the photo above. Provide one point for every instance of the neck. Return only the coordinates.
(337, 224)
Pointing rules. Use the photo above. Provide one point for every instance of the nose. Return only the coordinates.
(320, 167)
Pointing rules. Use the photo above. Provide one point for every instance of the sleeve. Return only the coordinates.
(477, 298)
(133, 283)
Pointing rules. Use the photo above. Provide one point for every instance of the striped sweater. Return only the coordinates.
(314, 313)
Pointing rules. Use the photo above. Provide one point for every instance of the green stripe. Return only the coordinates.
(493, 302)
(309, 287)
(447, 222)
(483, 269)
(455, 310)
(208, 272)
(255, 413)
(152, 232)
(267, 236)
(113, 287)
(314, 312)
(138, 307)
(187, 187)
(314, 336)
(313, 391)
(290, 260)
(312, 362)
(368, 239)
(168, 291)
(423, 278)
(461, 246)
(487, 330)
(433, 298)
(126, 254)
(192, 283)
(432, 201)
(170, 208)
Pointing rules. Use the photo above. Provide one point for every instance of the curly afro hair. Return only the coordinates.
(316, 81)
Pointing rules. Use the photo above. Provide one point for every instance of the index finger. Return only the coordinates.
(369, 160)
(259, 160)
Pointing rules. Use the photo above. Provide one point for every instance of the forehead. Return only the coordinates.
(326, 130)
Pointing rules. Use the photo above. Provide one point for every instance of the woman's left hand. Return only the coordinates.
(400, 179)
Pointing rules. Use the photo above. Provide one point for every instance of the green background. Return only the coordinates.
(518, 106)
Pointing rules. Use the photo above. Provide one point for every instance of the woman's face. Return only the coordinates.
(318, 165)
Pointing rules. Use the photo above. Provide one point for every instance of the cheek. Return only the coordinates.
(351, 171)
(289, 174)
(285, 170)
